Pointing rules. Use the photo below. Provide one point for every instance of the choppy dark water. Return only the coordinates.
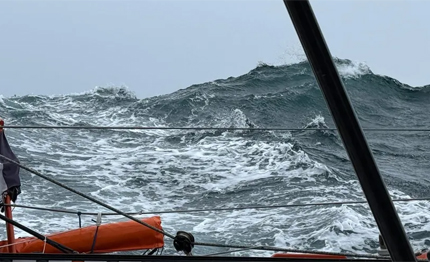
(184, 169)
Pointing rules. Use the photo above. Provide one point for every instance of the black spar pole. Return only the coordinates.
(39, 236)
(376, 193)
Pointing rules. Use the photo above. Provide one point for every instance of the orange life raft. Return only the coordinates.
(112, 237)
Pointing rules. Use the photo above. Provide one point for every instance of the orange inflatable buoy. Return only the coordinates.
(112, 237)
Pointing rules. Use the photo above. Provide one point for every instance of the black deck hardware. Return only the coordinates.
(184, 242)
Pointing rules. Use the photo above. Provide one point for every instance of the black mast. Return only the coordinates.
(350, 131)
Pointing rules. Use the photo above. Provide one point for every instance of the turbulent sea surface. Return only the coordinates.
(155, 170)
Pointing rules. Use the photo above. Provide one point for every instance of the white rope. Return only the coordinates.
(16, 243)
(44, 245)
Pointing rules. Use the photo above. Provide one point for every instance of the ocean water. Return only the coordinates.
(154, 170)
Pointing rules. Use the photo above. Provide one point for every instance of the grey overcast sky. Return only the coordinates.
(157, 47)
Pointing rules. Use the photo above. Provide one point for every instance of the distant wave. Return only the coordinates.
(180, 169)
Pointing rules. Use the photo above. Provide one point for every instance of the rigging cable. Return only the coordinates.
(86, 196)
(214, 209)
(212, 128)
(39, 236)
(242, 248)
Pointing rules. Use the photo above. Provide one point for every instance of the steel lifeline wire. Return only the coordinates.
(211, 128)
(339, 203)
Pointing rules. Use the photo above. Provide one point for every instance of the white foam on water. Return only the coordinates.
(353, 69)
(135, 171)
(317, 121)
